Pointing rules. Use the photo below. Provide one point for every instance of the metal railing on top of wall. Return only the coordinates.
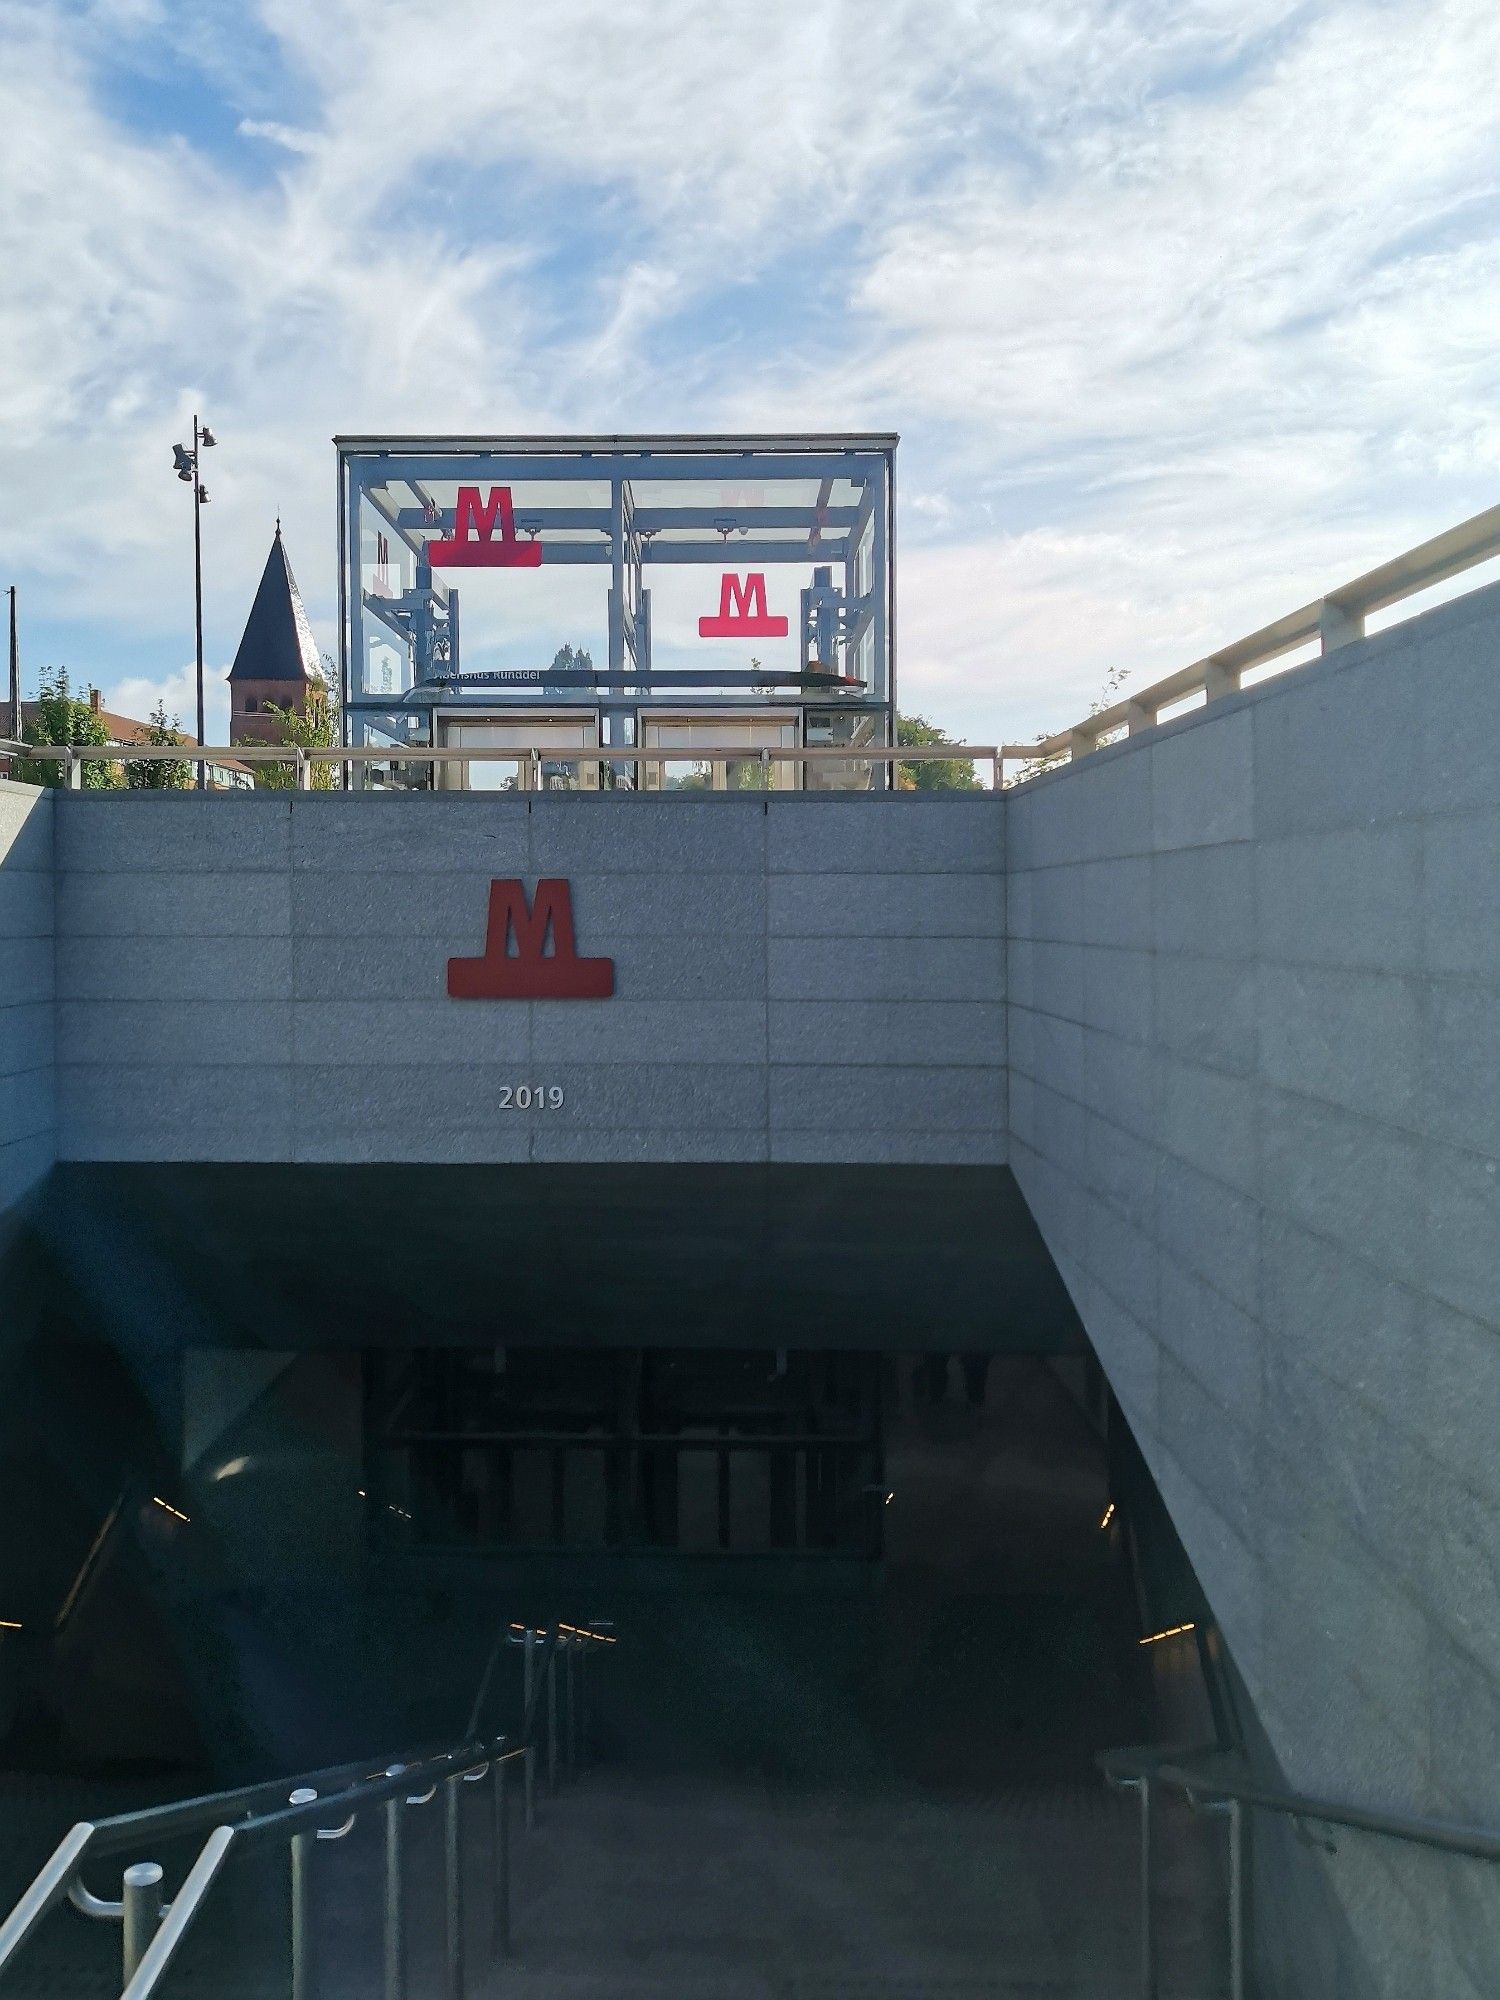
(324, 1806)
(530, 762)
(1335, 619)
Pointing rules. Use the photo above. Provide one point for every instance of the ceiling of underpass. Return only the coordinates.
(899, 1258)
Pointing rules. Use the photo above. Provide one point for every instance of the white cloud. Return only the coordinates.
(286, 136)
(138, 694)
(1183, 311)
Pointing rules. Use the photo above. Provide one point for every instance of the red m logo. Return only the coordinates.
(742, 611)
(530, 973)
(474, 543)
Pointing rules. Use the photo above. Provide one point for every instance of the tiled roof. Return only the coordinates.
(126, 729)
(122, 728)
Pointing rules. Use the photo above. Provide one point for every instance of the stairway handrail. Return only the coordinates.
(1201, 1776)
(1200, 1781)
(238, 1809)
(288, 1809)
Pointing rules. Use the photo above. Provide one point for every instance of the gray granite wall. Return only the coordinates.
(27, 1107)
(1254, 1006)
(1246, 971)
(264, 979)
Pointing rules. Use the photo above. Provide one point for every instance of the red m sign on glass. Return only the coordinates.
(474, 543)
(742, 611)
(530, 972)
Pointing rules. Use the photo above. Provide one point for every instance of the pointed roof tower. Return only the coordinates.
(277, 643)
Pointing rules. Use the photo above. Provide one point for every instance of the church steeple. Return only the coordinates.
(277, 660)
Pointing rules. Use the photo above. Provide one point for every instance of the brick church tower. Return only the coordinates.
(277, 660)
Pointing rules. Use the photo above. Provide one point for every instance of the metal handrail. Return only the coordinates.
(530, 756)
(1336, 619)
(92, 1840)
(1420, 1831)
(1200, 1775)
(300, 1813)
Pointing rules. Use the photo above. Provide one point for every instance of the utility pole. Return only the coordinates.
(185, 464)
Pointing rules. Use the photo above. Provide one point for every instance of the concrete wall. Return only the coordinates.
(264, 979)
(1254, 984)
(27, 1111)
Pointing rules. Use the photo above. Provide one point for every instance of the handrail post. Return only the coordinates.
(1148, 1932)
(570, 1690)
(395, 1894)
(528, 1671)
(500, 1927)
(1220, 681)
(585, 1675)
(1236, 1900)
(552, 1717)
(529, 1766)
(304, 1846)
(453, 1887)
(141, 1900)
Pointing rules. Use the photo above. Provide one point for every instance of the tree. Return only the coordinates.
(945, 774)
(65, 718)
(569, 659)
(160, 774)
(1108, 695)
(315, 726)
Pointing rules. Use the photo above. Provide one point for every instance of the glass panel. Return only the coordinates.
(730, 744)
(559, 738)
(830, 729)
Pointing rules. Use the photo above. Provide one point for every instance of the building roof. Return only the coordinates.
(126, 730)
(122, 728)
(277, 643)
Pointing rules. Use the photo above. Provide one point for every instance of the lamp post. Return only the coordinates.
(185, 464)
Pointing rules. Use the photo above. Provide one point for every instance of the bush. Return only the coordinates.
(160, 774)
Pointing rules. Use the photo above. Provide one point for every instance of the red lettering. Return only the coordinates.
(530, 972)
(742, 611)
(474, 543)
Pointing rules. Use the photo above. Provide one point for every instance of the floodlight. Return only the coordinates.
(202, 496)
(182, 461)
(206, 436)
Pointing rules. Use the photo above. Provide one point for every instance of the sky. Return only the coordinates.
(1184, 312)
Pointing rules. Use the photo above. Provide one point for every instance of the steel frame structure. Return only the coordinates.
(841, 531)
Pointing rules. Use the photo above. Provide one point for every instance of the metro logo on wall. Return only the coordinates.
(742, 611)
(530, 972)
(474, 543)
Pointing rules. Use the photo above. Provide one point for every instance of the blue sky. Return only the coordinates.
(1183, 312)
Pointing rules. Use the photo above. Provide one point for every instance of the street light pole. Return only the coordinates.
(185, 464)
(198, 497)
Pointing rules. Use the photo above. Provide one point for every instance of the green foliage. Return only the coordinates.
(160, 774)
(930, 774)
(315, 727)
(63, 717)
(1108, 695)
